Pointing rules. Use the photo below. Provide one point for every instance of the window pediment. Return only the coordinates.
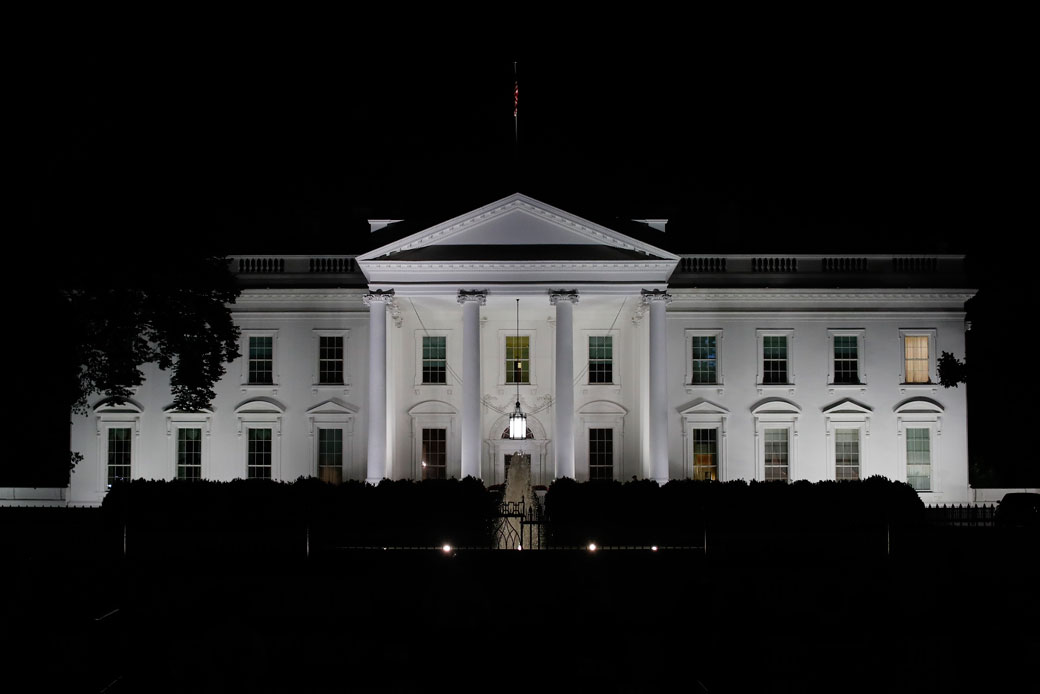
(775, 406)
(113, 405)
(260, 406)
(333, 406)
(919, 406)
(702, 406)
(432, 407)
(847, 406)
(603, 407)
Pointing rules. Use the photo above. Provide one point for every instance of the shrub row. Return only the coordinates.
(678, 513)
(355, 514)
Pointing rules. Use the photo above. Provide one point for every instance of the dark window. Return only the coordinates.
(434, 359)
(258, 463)
(330, 359)
(774, 359)
(434, 454)
(330, 455)
(118, 454)
(846, 359)
(601, 454)
(261, 359)
(189, 454)
(705, 360)
(601, 359)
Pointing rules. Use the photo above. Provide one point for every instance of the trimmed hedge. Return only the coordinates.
(642, 513)
(246, 516)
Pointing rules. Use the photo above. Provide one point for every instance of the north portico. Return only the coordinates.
(454, 287)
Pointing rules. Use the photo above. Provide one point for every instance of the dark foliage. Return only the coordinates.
(202, 518)
(952, 371)
(642, 513)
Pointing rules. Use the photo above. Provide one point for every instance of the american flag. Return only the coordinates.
(516, 97)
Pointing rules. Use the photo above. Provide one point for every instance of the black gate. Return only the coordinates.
(518, 525)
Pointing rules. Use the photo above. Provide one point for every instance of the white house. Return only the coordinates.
(628, 361)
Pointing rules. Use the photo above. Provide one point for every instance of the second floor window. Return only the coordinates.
(434, 359)
(601, 359)
(705, 360)
(774, 359)
(518, 359)
(261, 359)
(916, 354)
(330, 359)
(846, 359)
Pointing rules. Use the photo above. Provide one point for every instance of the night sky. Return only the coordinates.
(879, 135)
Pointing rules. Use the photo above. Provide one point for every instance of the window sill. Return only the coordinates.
(692, 388)
(775, 388)
(260, 387)
(330, 387)
(918, 387)
(861, 387)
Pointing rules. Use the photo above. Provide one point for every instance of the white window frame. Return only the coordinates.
(615, 355)
(860, 334)
(112, 415)
(532, 370)
(316, 384)
(705, 415)
(847, 415)
(777, 414)
(600, 414)
(175, 420)
(435, 414)
(719, 385)
(333, 415)
(260, 414)
(921, 413)
(275, 373)
(932, 335)
(447, 335)
(789, 387)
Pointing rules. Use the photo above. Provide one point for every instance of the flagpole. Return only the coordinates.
(516, 126)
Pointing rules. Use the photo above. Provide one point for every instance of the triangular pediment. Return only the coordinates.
(333, 407)
(847, 406)
(513, 233)
(702, 406)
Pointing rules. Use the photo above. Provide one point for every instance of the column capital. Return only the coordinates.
(651, 295)
(378, 295)
(478, 295)
(556, 295)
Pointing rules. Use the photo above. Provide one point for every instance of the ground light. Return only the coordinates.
(446, 548)
(592, 546)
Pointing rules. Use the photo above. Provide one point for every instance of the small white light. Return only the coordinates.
(653, 548)
(446, 548)
(424, 463)
(592, 546)
(519, 547)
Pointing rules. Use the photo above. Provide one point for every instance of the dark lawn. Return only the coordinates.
(950, 610)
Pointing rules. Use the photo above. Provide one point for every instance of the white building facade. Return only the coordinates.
(629, 362)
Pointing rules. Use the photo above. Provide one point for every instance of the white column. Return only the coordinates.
(471, 302)
(657, 300)
(376, 302)
(564, 408)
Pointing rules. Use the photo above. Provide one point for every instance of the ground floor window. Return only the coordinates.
(189, 453)
(919, 458)
(705, 454)
(259, 455)
(777, 454)
(434, 454)
(601, 454)
(118, 454)
(846, 454)
(330, 455)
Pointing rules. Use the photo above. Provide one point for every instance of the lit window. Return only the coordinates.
(601, 454)
(189, 454)
(518, 359)
(434, 454)
(846, 454)
(774, 359)
(705, 454)
(601, 359)
(259, 454)
(118, 455)
(917, 361)
(704, 360)
(434, 359)
(919, 458)
(330, 455)
(846, 359)
(330, 359)
(261, 359)
(777, 454)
